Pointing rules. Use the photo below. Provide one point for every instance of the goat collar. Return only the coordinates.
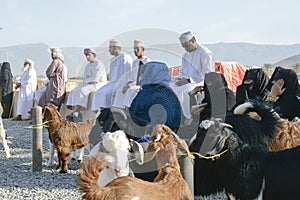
(213, 157)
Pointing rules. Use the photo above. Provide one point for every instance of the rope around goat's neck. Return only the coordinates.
(213, 157)
(40, 126)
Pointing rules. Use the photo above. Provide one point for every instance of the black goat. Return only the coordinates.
(246, 172)
(207, 173)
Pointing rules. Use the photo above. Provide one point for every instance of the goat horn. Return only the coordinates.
(226, 125)
(175, 135)
(158, 136)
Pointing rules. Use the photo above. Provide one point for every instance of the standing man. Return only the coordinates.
(94, 77)
(120, 64)
(124, 97)
(27, 88)
(56, 87)
(196, 62)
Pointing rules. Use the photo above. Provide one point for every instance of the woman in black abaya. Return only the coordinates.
(6, 84)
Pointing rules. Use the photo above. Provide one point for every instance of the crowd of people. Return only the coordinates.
(128, 75)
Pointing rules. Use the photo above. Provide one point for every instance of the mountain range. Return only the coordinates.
(247, 54)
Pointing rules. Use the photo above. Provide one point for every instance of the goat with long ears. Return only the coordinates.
(169, 183)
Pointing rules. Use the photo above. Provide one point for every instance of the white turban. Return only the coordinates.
(114, 43)
(57, 53)
(55, 50)
(185, 37)
(138, 43)
(27, 60)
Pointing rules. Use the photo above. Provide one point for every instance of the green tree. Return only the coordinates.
(296, 68)
(268, 69)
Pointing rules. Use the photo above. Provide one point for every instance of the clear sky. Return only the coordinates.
(83, 23)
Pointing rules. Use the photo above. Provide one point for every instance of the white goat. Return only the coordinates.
(2, 135)
(116, 146)
(168, 184)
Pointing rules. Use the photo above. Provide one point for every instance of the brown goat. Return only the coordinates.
(66, 135)
(288, 135)
(169, 183)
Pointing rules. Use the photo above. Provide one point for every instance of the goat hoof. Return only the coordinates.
(63, 172)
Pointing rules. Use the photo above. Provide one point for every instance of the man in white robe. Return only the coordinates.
(27, 89)
(196, 62)
(120, 65)
(125, 95)
(94, 77)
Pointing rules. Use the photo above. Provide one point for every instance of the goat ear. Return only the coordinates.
(150, 152)
(216, 142)
(138, 151)
(182, 144)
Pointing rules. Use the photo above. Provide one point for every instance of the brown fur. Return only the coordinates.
(168, 184)
(66, 135)
(288, 135)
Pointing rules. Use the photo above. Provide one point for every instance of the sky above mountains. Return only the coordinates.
(86, 23)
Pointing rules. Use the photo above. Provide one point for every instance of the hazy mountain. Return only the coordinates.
(288, 62)
(245, 53)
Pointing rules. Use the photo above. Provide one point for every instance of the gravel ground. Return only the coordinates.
(17, 179)
(19, 182)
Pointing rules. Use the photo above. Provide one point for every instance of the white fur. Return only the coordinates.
(2, 135)
(116, 147)
(241, 109)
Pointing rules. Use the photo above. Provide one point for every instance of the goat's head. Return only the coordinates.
(214, 134)
(164, 143)
(51, 112)
(117, 145)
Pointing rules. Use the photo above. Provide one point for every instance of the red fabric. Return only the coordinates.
(174, 71)
(233, 72)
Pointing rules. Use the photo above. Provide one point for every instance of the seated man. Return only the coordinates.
(125, 95)
(120, 64)
(94, 77)
(196, 62)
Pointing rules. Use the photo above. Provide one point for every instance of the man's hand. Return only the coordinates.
(182, 81)
(126, 87)
(277, 88)
(197, 89)
(17, 85)
(93, 82)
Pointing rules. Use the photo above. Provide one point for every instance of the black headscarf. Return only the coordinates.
(290, 80)
(6, 82)
(260, 81)
(288, 104)
(259, 89)
(218, 96)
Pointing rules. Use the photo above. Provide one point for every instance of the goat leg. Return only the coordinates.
(59, 167)
(65, 156)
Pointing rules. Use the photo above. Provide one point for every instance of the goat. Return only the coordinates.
(255, 133)
(116, 145)
(246, 172)
(168, 184)
(66, 135)
(287, 135)
(2, 135)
